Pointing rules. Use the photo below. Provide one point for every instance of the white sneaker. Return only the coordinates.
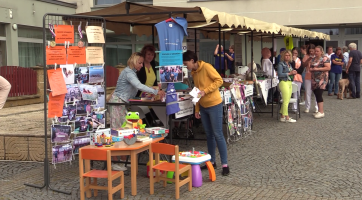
(319, 115)
(282, 119)
(118, 167)
(306, 111)
(302, 103)
(290, 120)
(316, 111)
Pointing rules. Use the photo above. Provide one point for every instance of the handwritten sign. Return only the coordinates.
(94, 55)
(56, 55)
(64, 33)
(76, 55)
(186, 108)
(56, 82)
(170, 58)
(95, 34)
(55, 105)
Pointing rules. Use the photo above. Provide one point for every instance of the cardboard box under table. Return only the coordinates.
(122, 149)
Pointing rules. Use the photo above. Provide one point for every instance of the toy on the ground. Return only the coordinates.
(195, 158)
(133, 121)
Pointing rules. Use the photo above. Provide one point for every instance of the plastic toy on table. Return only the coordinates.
(195, 158)
(133, 121)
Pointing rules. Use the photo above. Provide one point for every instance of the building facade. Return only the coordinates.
(21, 25)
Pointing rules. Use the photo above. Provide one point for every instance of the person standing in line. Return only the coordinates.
(219, 55)
(4, 91)
(319, 67)
(346, 59)
(308, 79)
(298, 80)
(336, 71)
(268, 69)
(209, 108)
(285, 75)
(328, 55)
(353, 70)
(231, 59)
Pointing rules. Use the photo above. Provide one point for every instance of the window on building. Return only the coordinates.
(2, 53)
(112, 2)
(2, 30)
(117, 54)
(30, 46)
(328, 31)
(352, 31)
(30, 54)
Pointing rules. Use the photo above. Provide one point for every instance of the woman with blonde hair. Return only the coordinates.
(319, 67)
(285, 75)
(127, 88)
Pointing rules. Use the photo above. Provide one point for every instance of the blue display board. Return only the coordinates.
(168, 58)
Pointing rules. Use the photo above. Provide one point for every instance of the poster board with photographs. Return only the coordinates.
(171, 74)
(83, 87)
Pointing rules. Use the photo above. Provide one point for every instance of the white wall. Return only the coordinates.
(284, 12)
(82, 5)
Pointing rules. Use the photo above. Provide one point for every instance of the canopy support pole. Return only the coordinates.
(252, 55)
(219, 51)
(195, 41)
(223, 43)
(153, 35)
(246, 52)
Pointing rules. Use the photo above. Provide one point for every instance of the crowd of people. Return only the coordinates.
(315, 71)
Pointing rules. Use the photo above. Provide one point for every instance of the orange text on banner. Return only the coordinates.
(56, 55)
(55, 105)
(76, 55)
(94, 55)
(56, 82)
(64, 33)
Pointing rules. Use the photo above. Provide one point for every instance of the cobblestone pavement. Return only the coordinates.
(311, 159)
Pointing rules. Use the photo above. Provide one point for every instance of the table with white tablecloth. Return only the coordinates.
(265, 85)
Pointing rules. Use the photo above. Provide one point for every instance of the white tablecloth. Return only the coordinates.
(265, 86)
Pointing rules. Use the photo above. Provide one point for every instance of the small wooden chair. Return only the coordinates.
(167, 149)
(102, 155)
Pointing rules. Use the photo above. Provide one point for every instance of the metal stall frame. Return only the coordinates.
(46, 180)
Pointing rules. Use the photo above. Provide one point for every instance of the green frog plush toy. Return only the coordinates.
(133, 121)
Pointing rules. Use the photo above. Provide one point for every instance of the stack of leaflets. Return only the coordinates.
(157, 130)
(142, 138)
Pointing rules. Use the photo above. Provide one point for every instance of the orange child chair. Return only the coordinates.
(167, 149)
(97, 154)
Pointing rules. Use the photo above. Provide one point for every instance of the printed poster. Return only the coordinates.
(64, 33)
(186, 108)
(95, 34)
(170, 74)
(68, 73)
(94, 55)
(76, 55)
(56, 82)
(56, 55)
(55, 105)
(170, 58)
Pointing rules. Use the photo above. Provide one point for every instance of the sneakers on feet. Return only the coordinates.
(302, 103)
(118, 167)
(205, 167)
(306, 111)
(290, 120)
(319, 115)
(225, 171)
(282, 119)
